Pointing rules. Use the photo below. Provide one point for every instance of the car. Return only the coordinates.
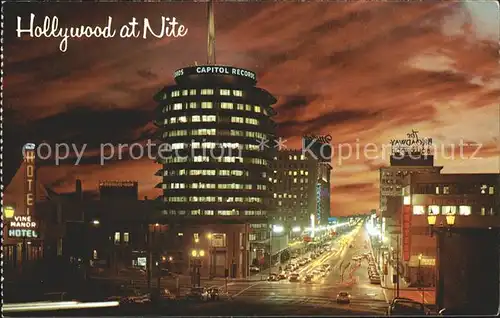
(308, 278)
(272, 277)
(162, 295)
(198, 293)
(254, 269)
(282, 275)
(130, 295)
(343, 298)
(405, 307)
(375, 280)
(294, 277)
(213, 293)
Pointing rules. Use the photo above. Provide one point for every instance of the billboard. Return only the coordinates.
(317, 147)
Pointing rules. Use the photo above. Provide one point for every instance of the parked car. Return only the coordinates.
(282, 275)
(130, 295)
(343, 298)
(405, 307)
(198, 293)
(254, 269)
(294, 277)
(162, 295)
(272, 277)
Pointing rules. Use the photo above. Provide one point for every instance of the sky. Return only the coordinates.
(363, 72)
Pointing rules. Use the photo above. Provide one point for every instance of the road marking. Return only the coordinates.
(245, 289)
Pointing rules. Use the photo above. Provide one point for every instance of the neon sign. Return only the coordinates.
(29, 160)
(23, 227)
(412, 144)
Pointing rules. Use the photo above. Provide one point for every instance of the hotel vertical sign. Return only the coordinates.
(406, 231)
(29, 160)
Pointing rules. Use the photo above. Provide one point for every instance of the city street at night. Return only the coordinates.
(278, 298)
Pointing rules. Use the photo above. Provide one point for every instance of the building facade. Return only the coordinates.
(217, 129)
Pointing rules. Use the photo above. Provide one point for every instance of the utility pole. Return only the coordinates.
(211, 34)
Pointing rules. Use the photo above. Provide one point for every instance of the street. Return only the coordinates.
(281, 297)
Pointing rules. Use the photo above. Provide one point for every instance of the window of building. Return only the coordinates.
(193, 105)
(491, 190)
(483, 211)
(437, 189)
(446, 190)
(225, 92)
(175, 94)
(206, 105)
(248, 107)
(126, 237)
(185, 92)
(449, 210)
(94, 254)
(117, 238)
(257, 108)
(195, 118)
(178, 106)
(182, 119)
(237, 92)
(225, 105)
(237, 120)
(192, 92)
(433, 210)
(464, 210)
(418, 210)
(207, 91)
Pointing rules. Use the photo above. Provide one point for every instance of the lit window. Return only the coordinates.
(237, 93)
(484, 187)
(446, 190)
(257, 109)
(173, 120)
(126, 237)
(433, 210)
(225, 92)
(248, 107)
(437, 190)
(491, 190)
(206, 105)
(195, 118)
(117, 238)
(464, 210)
(176, 93)
(295, 173)
(185, 92)
(182, 119)
(406, 200)
(240, 107)
(94, 254)
(207, 91)
(449, 210)
(418, 210)
(193, 105)
(177, 106)
(306, 173)
(192, 92)
(178, 145)
(226, 105)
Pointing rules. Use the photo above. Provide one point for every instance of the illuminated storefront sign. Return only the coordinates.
(412, 144)
(406, 231)
(216, 70)
(29, 160)
(318, 202)
(23, 227)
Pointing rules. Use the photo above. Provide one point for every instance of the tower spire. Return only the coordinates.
(211, 33)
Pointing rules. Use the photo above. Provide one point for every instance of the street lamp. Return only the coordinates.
(431, 220)
(96, 222)
(196, 264)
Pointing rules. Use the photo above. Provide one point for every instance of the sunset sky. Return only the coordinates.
(361, 72)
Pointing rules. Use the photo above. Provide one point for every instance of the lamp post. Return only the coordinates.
(419, 279)
(276, 229)
(439, 274)
(196, 256)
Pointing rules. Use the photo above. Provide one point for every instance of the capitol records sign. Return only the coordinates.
(413, 144)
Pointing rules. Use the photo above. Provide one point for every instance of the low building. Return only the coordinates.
(463, 250)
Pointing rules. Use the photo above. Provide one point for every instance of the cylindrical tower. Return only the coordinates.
(218, 139)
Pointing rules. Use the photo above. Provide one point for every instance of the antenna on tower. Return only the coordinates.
(211, 34)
